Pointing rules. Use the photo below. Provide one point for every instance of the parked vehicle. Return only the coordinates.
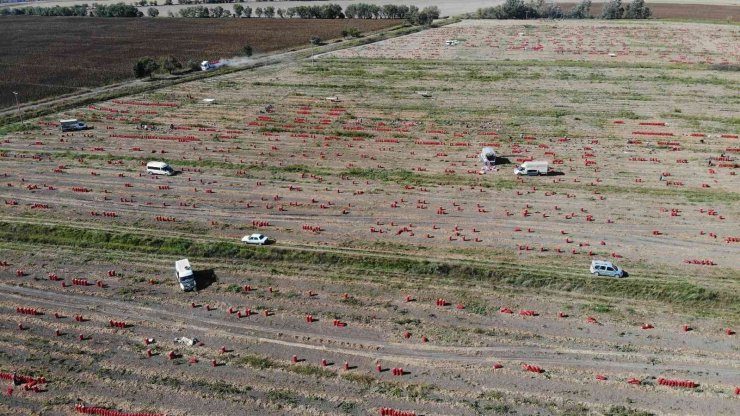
(159, 168)
(72, 124)
(532, 168)
(605, 268)
(184, 275)
(186, 341)
(259, 239)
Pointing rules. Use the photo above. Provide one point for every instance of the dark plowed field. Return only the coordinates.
(49, 56)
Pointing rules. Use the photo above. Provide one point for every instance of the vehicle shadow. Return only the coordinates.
(502, 160)
(204, 278)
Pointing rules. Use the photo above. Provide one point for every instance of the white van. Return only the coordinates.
(72, 125)
(532, 168)
(184, 275)
(159, 168)
(605, 268)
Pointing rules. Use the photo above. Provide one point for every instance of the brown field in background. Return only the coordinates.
(47, 56)
(679, 11)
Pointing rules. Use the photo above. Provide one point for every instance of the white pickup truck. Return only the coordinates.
(184, 275)
(532, 168)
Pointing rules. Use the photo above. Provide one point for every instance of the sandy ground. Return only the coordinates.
(386, 158)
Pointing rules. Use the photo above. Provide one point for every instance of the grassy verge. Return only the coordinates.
(17, 127)
(679, 291)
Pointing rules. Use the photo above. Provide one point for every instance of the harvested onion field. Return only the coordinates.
(401, 277)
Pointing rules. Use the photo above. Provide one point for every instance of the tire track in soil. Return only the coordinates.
(384, 351)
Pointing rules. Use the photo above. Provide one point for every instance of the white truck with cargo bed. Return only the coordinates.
(184, 275)
(532, 168)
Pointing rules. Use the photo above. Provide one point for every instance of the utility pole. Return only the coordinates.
(18, 106)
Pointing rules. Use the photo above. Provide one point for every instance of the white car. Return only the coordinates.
(259, 239)
(605, 268)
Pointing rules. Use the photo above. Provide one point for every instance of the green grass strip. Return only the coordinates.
(679, 291)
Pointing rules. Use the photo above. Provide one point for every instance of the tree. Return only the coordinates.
(217, 12)
(612, 10)
(258, 11)
(193, 65)
(168, 2)
(546, 10)
(171, 64)
(352, 11)
(247, 50)
(581, 10)
(281, 13)
(367, 11)
(269, 12)
(315, 40)
(427, 15)
(145, 66)
(375, 10)
(351, 32)
(637, 10)
(195, 11)
(116, 10)
(247, 11)
(238, 9)
(516, 9)
(330, 11)
(152, 12)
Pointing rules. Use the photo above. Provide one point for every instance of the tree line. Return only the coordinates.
(540, 9)
(412, 14)
(148, 66)
(324, 11)
(97, 10)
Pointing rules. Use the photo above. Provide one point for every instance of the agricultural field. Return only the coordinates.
(52, 56)
(401, 276)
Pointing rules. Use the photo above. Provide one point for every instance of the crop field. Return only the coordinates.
(402, 278)
(49, 56)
